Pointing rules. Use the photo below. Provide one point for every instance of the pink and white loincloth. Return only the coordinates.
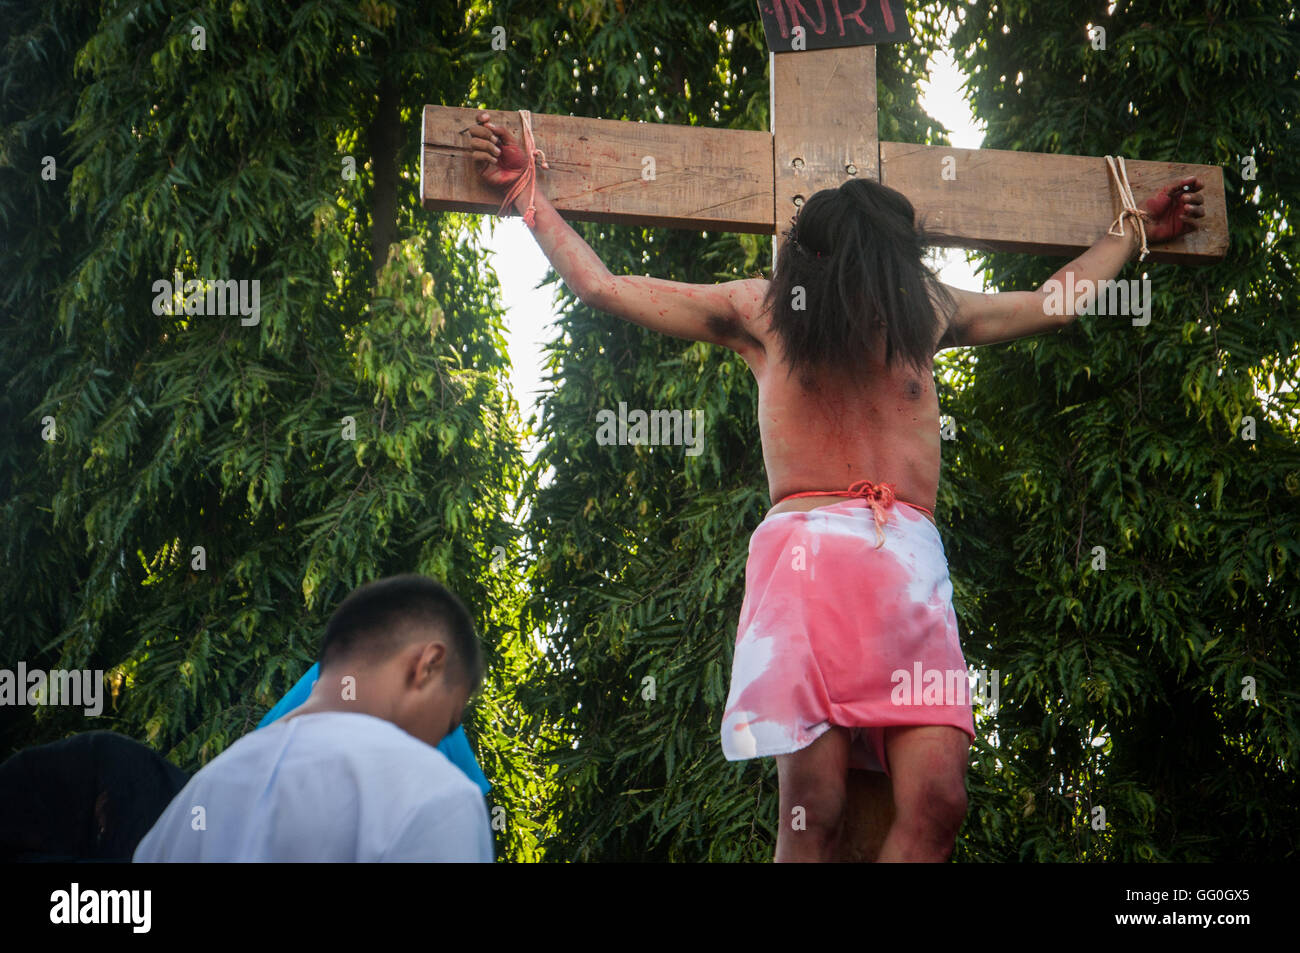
(837, 629)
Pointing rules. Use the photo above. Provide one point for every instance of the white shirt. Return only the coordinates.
(326, 787)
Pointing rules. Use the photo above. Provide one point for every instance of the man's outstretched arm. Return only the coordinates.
(717, 313)
(1006, 316)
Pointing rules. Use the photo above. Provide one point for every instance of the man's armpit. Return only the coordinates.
(731, 333)
(946, 313)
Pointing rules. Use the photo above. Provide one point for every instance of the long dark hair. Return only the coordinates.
(854, 260)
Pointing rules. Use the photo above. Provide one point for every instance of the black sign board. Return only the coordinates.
(828, 23)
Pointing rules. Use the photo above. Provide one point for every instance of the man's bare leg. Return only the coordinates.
(868, 816)
(927, 765)
(812, 798)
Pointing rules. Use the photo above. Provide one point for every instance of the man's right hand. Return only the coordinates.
(500, 158)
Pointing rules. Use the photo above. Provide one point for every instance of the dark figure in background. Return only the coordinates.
(91, 797)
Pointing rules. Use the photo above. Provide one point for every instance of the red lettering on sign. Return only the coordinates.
(796, 7)
(889, 17)
(791, 13)
(857, 15)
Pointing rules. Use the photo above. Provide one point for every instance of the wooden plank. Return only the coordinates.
(823, 123)
(723, 179)
(704, 178)
(1042, 203)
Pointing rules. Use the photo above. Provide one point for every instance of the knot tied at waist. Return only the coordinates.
(879, 496)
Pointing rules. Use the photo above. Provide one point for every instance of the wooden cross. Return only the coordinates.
(823, 109)
(824, 131)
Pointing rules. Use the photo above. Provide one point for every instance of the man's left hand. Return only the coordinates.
(1172, 210)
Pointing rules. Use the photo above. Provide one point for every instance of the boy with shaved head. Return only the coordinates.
(353, 773)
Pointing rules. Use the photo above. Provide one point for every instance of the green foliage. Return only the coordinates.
(1123, 688)
(178, 431)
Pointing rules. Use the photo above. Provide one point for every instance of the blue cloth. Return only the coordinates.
(455, 745)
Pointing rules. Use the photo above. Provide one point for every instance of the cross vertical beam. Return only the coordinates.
(824, 127)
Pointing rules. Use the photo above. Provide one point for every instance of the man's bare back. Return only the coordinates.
(825, 436)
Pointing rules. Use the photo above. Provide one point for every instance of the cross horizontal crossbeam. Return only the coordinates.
(735, 180)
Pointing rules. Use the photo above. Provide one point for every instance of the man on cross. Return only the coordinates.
(847, 596)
